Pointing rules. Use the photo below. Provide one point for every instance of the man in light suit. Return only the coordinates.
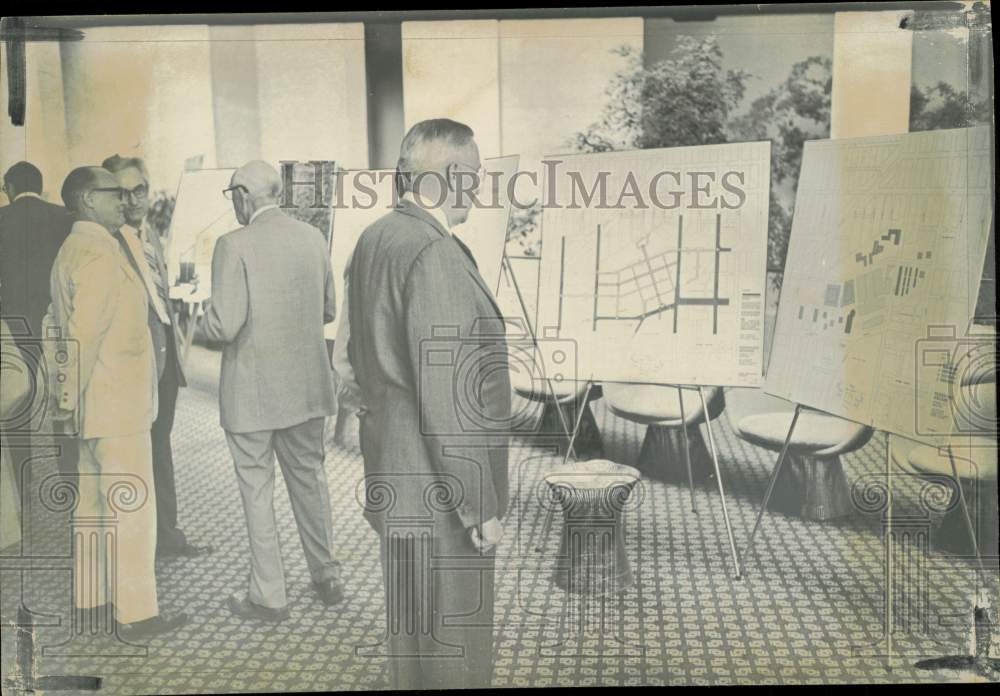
(99, 302)
(148, 252)
(428, 351)
(272, 294)
(31, 232)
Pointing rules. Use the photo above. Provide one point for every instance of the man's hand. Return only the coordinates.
(488, 535)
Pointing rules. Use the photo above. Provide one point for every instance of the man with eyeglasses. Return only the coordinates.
(99, 303)
(272, 294)
(427, 348)
(31, 232)
(147, 250)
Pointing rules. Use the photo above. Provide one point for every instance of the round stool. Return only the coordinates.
(975, 460)
(812, 483)
(592, 496)
(659, 408)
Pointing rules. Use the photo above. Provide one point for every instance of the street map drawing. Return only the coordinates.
(668, 275)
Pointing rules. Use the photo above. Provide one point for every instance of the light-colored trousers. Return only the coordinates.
(116, 493)
(300, 454)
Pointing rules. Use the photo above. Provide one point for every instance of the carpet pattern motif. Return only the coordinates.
(809, 609)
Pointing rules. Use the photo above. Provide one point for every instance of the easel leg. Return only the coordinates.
(718, 478)
(687, 447)
(195, 307)
(576, 426)
(505, 265)
(888, 553)
(774, 479)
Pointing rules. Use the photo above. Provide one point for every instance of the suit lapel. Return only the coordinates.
(132, 256)
(415, 211)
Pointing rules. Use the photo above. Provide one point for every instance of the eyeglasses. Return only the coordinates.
(480, 170)
(477, 172)
(117, 190)
(228, 192)
(139, 193)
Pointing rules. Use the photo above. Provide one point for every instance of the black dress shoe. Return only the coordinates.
(245, 609)
(152, 627)
(329, 591)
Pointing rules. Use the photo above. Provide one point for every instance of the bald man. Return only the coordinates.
(272, 293)
(99, 303)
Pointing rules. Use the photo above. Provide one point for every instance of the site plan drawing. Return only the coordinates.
(882, 276)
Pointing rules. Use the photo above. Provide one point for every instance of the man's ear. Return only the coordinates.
(449, 174)
(87, 199)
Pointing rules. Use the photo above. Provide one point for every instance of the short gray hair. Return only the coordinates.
(414, 150)
(116, 163)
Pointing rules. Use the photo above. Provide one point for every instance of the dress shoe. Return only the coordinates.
(185, 550)
(94, 617)
(152, 627)
(329, 591)
(245, 609)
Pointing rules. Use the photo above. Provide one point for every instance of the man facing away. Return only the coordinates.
(99, 302)
(425, 336)
(31, 232)
(272, 293)
(148, 253)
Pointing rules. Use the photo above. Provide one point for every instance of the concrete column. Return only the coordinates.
(384, 73)
(234, 95)
(451, 70)
(872, 61)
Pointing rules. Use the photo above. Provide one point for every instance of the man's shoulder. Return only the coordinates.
(400, 232)
(81, 249)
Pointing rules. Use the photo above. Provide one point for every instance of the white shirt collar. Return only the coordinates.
(30, 194)
(262, 210)
(435, 212)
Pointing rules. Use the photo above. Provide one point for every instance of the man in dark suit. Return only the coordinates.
(428, 351)
(147, 250)
(272, 294)
(31, 233)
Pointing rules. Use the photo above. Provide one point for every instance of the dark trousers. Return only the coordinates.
(167, 533)
(439, 610)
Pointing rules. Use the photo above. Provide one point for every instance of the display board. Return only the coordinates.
(882, 275)
(202, 214)
(654, 262)
(367, 195)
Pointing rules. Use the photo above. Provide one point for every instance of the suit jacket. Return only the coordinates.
(99, 304)
(429, 354)
(272, 293)
(31, 232)
(165, 360)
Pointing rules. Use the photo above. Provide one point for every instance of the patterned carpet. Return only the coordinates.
(809, 609)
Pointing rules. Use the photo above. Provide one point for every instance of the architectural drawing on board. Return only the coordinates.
(652, 286)
(887, 246)
(668, 277)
